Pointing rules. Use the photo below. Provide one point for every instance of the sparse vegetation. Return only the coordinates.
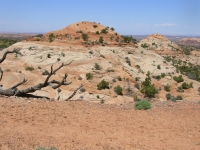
(118, 90)
(85, 37)
(29, 68)
(167, 88)
(97, 66)
(101, 39)
(45, 73)
(89, 76)
(119, 78)
(51, 37)
(144, 45)
(158, 67)
(104, 31)
(95, 26)
(178, 79)
(103, 85)
(148, 89)
(143, 104)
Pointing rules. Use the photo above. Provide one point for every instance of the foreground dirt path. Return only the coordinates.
(26, 125)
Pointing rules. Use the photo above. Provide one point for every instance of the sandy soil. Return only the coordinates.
(79, 125)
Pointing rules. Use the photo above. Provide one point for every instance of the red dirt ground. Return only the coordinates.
(79, 125)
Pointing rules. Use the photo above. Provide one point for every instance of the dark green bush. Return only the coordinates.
(167, 87)
(82, 90)
(85, 37)
(45, 73)
(101, 39)
(104, 31)
(163, 75)
(179, 97)
(119, 78)
(103, 85)
(97, 32)
(144, 45)
(29, 68)
(158, 67)
(51, 37)
(178, 79)
(168, 96)
(89, 76)
(97, 66)
(118, 90)
(143, 104)
(95, 26)
(186, 85)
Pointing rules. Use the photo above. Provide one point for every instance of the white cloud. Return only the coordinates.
(165, 25)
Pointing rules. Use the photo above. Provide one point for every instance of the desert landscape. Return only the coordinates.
(81, 88)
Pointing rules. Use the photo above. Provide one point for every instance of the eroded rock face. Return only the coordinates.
(128, 63)
(158, 42)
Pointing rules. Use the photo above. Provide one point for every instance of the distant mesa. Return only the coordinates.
(190, 41)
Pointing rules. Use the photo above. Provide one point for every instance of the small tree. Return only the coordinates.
(112, 29)
(89, 76)
(118, 90)
(85, 36)
(167, 87)
(178, 79)
(101, 39)
(103, 85)
(97, 66)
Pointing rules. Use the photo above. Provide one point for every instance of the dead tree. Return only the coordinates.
(13, 91)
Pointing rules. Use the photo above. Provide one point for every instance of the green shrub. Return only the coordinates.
(186, 85)
(178, 79)
(82, 90)
(97, 66)
(51, 37)
(112, 29)
(89, 76)
(49, 55)
(85, 37)
(179, 97)
(91, 52)
(143, 104)
(103, 85)
(29, 68)
(97, 32)
(104, 31)
(119, 78)
(118, 90)
(163, 75)
(144, 45)
(95, 26)
(45, 73)
(167, 88)
(149, 91)
(137, 66)
(137, 78)
(180, 89)
(101, 39)
(168, 96)
(158, 67)
(113, 80)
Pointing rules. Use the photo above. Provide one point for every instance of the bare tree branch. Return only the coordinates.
(1, 74)
(18, 84)
(74, 93)
(8, 52)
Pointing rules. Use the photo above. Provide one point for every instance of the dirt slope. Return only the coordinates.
(79, 125)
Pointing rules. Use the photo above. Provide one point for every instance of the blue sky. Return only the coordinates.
(128, 17)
